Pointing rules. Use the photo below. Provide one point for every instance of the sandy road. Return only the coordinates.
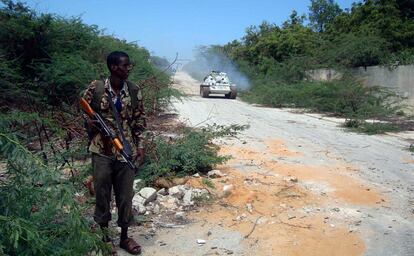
(302, 186)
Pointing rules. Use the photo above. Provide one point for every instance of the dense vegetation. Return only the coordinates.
(192, 152)
(371, 32)
(45, 63)
(39, 211)
(276, 58)
(50, 59)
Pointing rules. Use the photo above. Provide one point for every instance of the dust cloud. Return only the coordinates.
(205, 63)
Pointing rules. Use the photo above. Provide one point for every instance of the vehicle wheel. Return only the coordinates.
(227, 95)
(233, 93)
(204, 92)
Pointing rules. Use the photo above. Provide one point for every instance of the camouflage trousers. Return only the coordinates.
(110, 173)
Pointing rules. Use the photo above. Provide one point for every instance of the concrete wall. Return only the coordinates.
(399, 79)
(323, 74)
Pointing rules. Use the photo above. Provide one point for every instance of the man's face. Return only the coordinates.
(122, 69)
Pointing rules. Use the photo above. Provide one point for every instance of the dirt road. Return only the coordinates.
(301, 185)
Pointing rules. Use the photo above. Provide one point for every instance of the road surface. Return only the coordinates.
(301, 185)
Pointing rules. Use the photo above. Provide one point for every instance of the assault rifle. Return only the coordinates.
(106, 131)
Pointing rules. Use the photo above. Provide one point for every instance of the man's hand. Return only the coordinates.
(93, 124)
(140, 156)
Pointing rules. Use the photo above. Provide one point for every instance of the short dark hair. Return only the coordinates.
(114, 58)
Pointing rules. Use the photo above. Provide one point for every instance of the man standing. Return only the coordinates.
(109, 169)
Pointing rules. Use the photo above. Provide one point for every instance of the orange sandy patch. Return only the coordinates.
(278, 147)
(278, 205)
(337, 178)
(408, 160)
(319, 239)
(285, 229)
(344, 186)
(264, 193)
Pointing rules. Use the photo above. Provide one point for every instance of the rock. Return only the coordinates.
(168, 183)
(140, 208)
(137, 199)
(261, 221)
(137, 183)
(192, 194)
(150, 194)
(162, 192)
(249, 207)
(227, 189)
(307, 209)
(241, 217)
(162, 243)
(180, 216)
(168, 202)
(188, 198)
(291, 179)
(156, 209)
(178, 191)
(199, 192)
(201, 241)
(197, 175)
(150, 206)
(215, 174)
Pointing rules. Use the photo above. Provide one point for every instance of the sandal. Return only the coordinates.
(130, 246)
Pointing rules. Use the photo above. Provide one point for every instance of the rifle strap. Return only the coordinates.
(100, 90)
(97, 96)
(127, 146)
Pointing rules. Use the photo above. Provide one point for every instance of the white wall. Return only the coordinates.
(399, 79)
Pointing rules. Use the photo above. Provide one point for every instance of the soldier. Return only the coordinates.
(109, 170)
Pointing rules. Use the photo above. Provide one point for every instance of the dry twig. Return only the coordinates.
(254, 226)
(296, 226)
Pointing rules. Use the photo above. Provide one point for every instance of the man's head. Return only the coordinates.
(118, 64)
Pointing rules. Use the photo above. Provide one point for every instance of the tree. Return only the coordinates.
(294, 19)
(406, 7)
(322, 13)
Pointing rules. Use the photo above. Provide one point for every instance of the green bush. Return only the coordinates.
(39, 214)
(344, 98)
(53, 59)
(192, 152)
(354, 50)
(370, 127)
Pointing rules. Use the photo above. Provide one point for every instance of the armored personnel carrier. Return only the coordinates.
(218, 83)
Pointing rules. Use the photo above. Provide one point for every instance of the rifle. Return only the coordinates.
(106, 131)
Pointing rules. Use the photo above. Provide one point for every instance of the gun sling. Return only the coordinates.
(127, 145)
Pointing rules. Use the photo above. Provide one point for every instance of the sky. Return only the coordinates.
(167, 27)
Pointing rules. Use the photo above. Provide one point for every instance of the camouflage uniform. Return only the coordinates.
(108, 167)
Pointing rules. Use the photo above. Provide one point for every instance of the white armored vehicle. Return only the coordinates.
(218, 83)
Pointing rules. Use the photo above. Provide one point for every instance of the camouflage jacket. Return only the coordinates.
(133, 120)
